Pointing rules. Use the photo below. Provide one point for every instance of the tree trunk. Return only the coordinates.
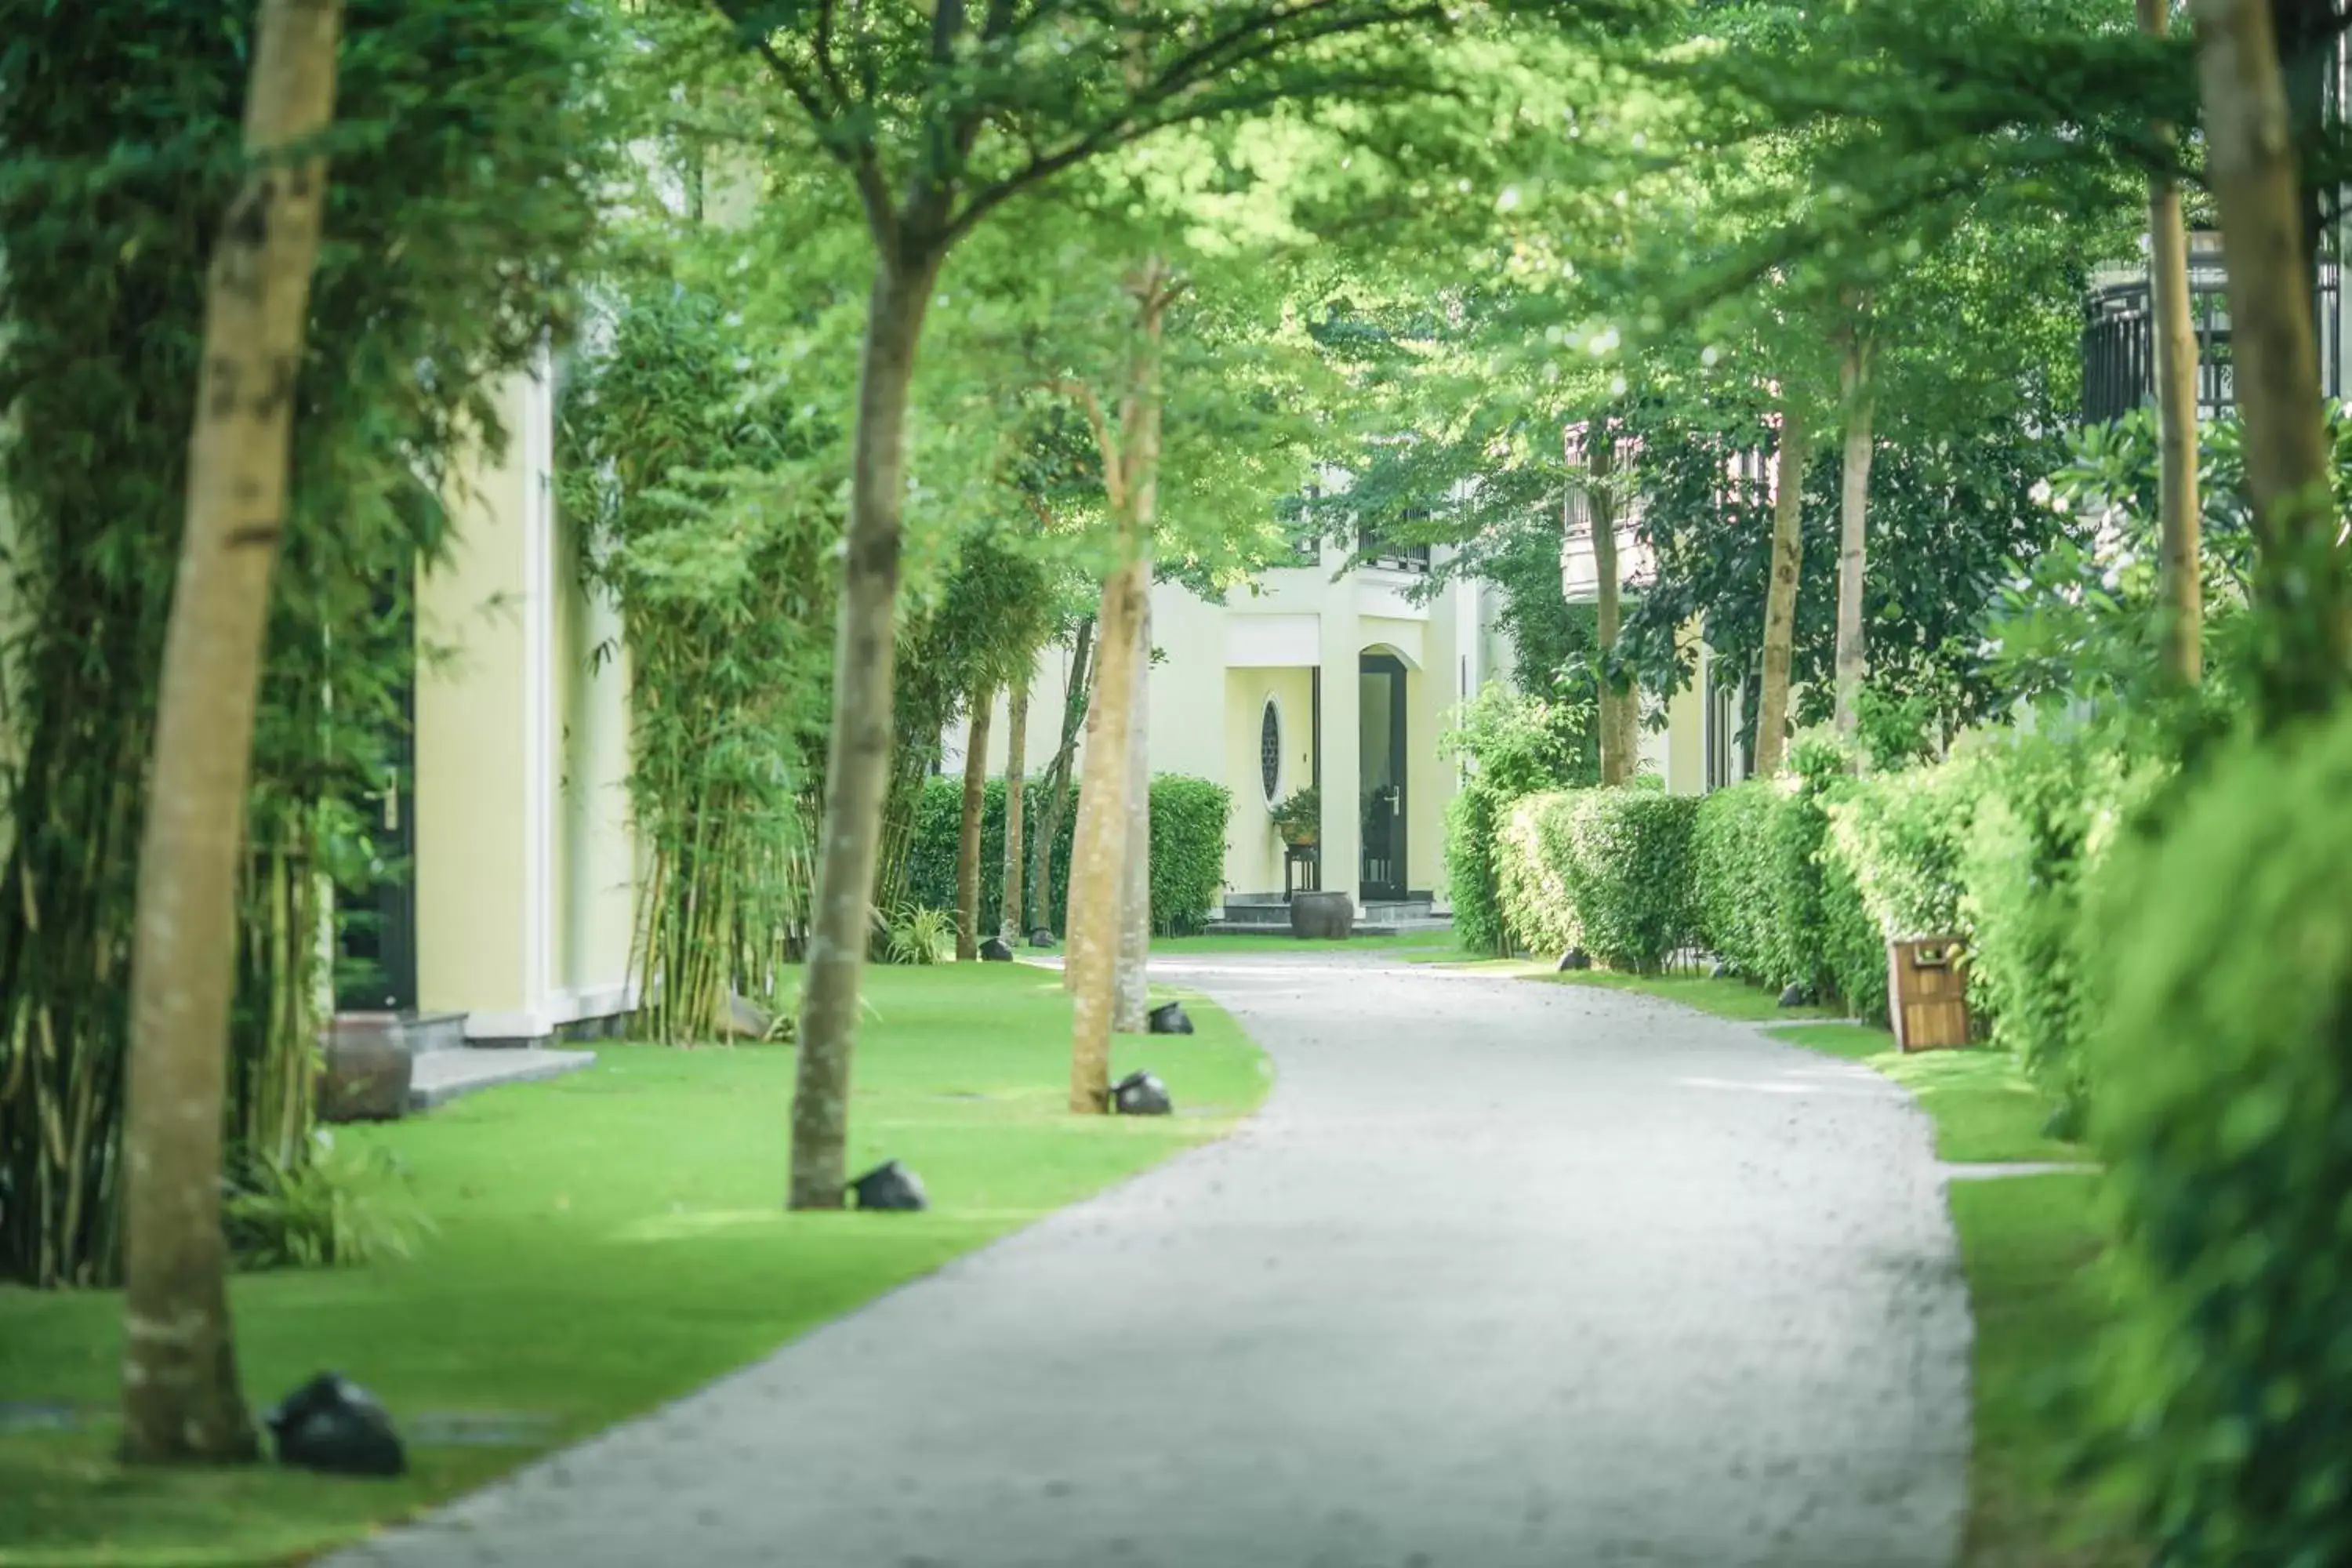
(1853, 531)
(2300, 586)
(857, 756)
(1780, 590)
(1130, 988)
(1058, 777)
(1094, 742)
(976, 807)
(1099, 856)
(1098, 863)
(181, 1402)
(2181, 612)
(1618, 702)
(1016, 759)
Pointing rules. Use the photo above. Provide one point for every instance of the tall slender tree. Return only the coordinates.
(1130, 443)
(2178, 519)
(937, 119)
(1130, 983)
(981, 706)
(1853, 515)
(1076, 705)
(1016, 782)
(1780, 590)
(181, 1401)
(2302, 581)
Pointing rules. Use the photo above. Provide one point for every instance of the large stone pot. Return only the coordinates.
(1322, 916)
(367, 1070)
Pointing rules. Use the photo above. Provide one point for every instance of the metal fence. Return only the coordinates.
(2119, 342)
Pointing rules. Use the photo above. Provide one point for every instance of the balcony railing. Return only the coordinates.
(2119, 342)
(1376, 551)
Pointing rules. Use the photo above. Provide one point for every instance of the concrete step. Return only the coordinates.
(1362, 926)
(433, 1032)
(441, 1076)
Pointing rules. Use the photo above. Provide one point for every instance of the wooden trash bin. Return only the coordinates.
(1927, 992)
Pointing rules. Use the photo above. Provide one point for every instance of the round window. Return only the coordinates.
(1269, 750)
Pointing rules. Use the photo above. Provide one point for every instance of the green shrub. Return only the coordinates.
(1189, 818)
(1515, 744)
(1892, 870)
(1798, 830)
(2221, 1054)
(1473, 818)
(1531, 887)
(1849, 948)
(1608, 870)
(2049, 809)
(338, 1209)
(1737, 899)
(1901, 837)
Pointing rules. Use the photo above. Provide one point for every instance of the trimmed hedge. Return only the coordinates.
(1472, 821)
(1189, 818)
(2047, 818)
(1761, 877)
(2222, 1055)
(1608, 870)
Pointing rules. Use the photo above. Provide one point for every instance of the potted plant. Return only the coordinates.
(1299, 818)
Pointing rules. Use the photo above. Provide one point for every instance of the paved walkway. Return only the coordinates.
(1506, 1275)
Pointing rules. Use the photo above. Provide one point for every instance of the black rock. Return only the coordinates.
(1041, 937)
(331, 1424)
(1574, 957)
(1794, 997)
(996, 950)
(1140, 1094)
(889, 1186)
(1169, 1018)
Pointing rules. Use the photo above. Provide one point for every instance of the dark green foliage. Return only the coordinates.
(2222, 1055)
(1189, 818)
(1950, 514)
(466, 161)
(1608, 870)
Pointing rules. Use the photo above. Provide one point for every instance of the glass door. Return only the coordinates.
(1381, 776)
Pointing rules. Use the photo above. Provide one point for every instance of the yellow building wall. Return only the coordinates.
(1253, 851)
(1205, 711)
(524, 863)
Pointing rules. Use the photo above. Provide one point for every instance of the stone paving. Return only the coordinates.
(1506, 1276)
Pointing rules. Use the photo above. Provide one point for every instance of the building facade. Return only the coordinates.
(1317, 675)
(511, 815)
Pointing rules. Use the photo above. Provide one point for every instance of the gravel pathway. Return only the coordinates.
(1505, 1275)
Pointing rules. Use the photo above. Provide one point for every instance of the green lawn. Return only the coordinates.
(2029, 1243)
(605, 1242)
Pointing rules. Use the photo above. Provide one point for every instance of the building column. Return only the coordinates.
(484, 739)
(1342, 741)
